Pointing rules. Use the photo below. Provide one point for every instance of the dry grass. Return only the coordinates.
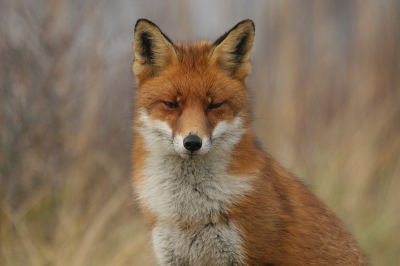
(326, 89)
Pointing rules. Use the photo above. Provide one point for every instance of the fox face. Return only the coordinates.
(191, 99)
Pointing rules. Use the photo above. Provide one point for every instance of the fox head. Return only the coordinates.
(191, 99)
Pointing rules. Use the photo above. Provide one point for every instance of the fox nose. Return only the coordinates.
(192, 142)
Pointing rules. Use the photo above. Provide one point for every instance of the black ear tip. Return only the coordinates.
(249, 21)
(146, 21)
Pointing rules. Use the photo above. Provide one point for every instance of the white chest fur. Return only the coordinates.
(206, 245)
(197, 191)
(189, 190)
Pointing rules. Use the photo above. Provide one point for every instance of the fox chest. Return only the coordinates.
(198, 193)
(189, 191)
(209, 244)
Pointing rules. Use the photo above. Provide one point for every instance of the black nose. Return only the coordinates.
(192, 142)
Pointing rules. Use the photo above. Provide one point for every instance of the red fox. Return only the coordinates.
(209, 193)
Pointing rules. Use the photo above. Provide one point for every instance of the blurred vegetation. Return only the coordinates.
(326, 90)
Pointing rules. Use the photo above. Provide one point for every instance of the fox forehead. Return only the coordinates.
(193, 78)
(194, 55)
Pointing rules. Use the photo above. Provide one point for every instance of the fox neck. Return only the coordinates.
(196, 190)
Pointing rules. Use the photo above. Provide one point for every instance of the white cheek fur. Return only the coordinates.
(226, 135)
(159, 137)
(156, 133)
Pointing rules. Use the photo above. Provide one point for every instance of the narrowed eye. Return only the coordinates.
(171, 105)
(214, 106)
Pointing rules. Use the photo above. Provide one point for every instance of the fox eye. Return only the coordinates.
(171, 105)
(214, 106)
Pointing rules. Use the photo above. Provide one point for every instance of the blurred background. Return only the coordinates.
(325, 87)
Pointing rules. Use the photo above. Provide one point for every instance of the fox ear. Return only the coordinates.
(152, 49)
(232, 51)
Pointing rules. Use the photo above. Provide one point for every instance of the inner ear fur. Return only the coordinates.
(232, 51)
(152, 49)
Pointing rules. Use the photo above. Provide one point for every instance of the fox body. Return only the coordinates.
(209, 193)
